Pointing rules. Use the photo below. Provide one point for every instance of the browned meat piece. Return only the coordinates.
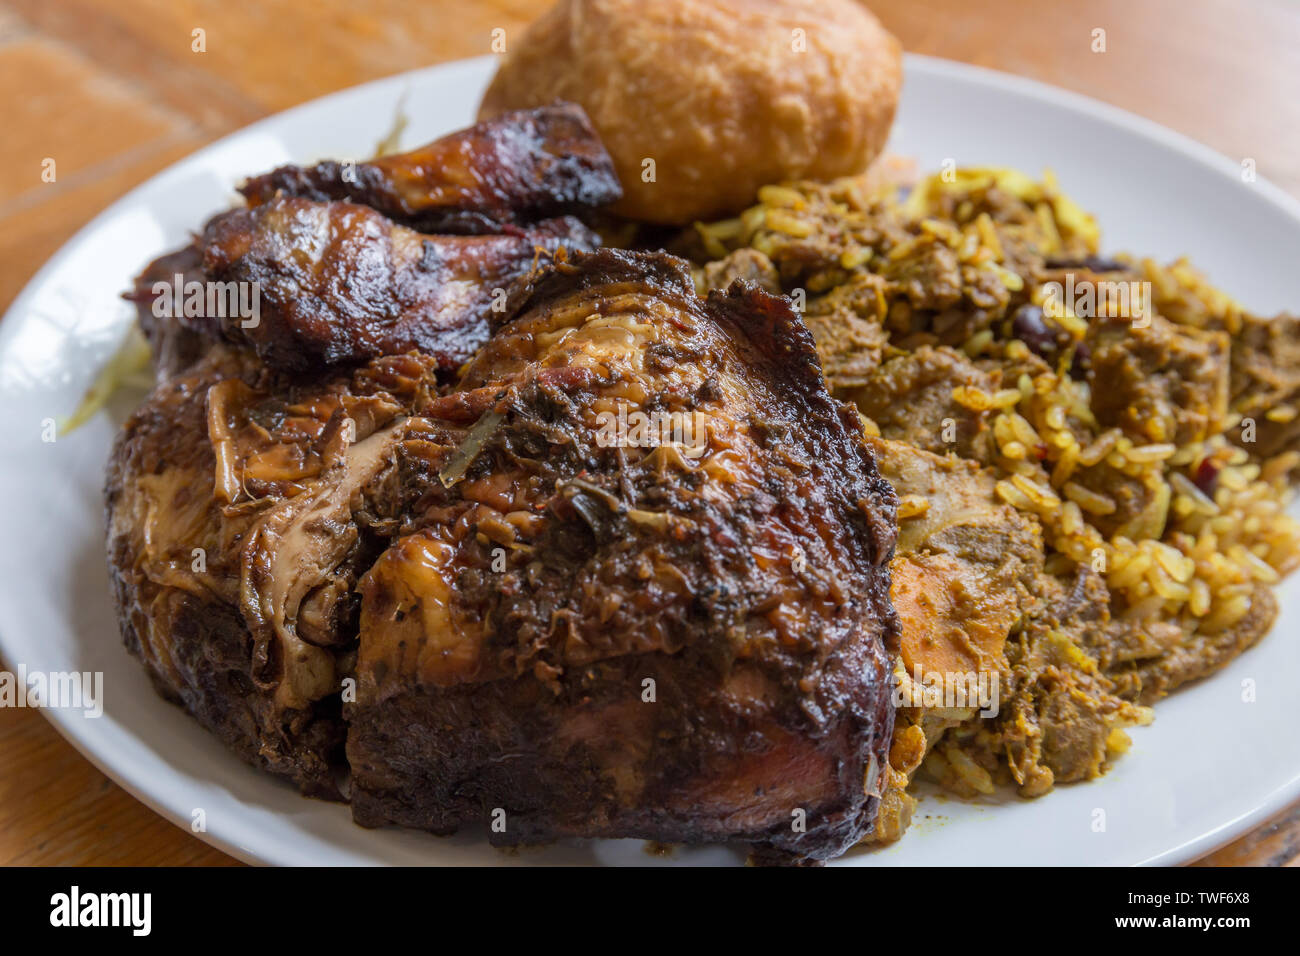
(1144, 660)
(623, 636)
(339, 283)
(847, 324)
(1265, 384)
(936, 300)
(910, 398)
(1120, 647)
(517, 168)
(931, 279)
(240, 513)
(344, 284)
(1160, 383)
(850, 347)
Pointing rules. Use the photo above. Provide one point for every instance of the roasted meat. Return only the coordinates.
(519, 167)
(525, 536)
(338, 283)
(411, 252)
(678, 640)
(626, 577)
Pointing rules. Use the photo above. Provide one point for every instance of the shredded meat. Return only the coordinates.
(234, 502)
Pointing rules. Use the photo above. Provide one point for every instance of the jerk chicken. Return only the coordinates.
(630, 641)
(599, 557)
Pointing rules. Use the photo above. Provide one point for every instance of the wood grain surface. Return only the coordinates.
(114, 92)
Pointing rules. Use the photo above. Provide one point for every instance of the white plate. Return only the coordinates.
(1211, 766)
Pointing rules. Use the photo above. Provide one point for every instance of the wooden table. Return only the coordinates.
(114, 92)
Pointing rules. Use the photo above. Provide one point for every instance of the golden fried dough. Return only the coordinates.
(700, 102)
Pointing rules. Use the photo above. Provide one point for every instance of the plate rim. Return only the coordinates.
(225, 838)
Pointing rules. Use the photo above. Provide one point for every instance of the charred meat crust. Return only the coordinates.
(514, 169)
(781, 340)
